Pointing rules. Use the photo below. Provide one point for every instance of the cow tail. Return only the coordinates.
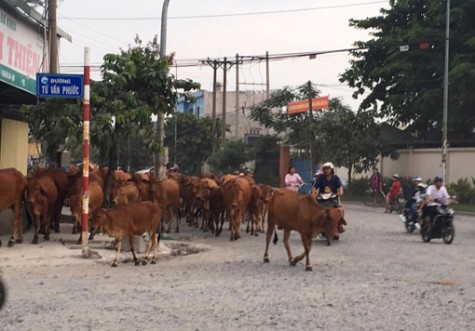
(276, 237)
(26, 210)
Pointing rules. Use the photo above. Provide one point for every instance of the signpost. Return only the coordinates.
(59, 86)
(303, 106)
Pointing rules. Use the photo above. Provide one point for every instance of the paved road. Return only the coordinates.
(376, 278)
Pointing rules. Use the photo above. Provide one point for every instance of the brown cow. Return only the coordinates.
(126, 193)
(13, 186)
(266, 195)
(217, 207)
(167, 194)
(96, 199)
(237, 193)
(42, 194)
(61, 180)
(142, 181)
(203, 193)
(290, 211)
(129, 220)
(253, 210)
(190, 202)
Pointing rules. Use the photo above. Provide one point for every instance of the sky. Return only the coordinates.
(106, 26)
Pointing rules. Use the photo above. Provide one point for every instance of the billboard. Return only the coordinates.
(302, 106)
(21, 52)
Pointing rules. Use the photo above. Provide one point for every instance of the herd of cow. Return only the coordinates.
(145, 204)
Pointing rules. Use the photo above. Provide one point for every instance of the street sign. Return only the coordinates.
(302, 106)
(59, 86)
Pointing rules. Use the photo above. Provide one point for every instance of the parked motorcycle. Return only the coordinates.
(441, 226)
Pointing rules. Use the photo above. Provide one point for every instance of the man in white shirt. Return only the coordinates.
(436, 194)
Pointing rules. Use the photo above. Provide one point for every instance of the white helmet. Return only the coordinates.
(328, 165)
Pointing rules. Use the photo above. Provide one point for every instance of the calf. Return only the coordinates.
(253, 210)
(13, 186)
(290, 211)
(126, 194)
(128, 220)
(96, 199)
(42, 195)
(167, 194)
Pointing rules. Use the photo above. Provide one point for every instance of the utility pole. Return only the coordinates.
(267, 76)
(53, 41)
(446, 95)
(223, 133)
(213, 114)
(310, 117)
(161, 113)
(237, 96)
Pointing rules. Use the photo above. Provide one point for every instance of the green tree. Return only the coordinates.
(352, 140)
(52, 121)
(231, 157)
(407, 86)
(194, 143)
(298, 129)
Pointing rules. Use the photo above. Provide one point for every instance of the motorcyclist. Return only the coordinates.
(436, 194)
(328, 182)
(411, 194)
(393, 192)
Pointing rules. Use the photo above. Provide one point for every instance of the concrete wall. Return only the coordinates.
(14, 145)
(426, 162)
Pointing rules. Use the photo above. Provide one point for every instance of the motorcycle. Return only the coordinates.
(441, 226)
(410, 218)
(397, 203)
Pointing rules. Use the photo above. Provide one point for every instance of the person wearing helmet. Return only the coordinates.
(413, 197)
(393, 192)
(411, 192)
(436, 194)
(328, 182)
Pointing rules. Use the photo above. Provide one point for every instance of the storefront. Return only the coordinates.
(23, 53)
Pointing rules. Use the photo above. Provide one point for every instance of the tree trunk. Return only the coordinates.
(350, 168)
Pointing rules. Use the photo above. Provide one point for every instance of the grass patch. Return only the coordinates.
(464, 208)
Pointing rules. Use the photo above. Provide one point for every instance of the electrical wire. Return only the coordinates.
(226, 15)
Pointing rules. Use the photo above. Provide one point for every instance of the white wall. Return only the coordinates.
(425, 162)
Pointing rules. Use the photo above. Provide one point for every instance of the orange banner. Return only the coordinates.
(302, 106)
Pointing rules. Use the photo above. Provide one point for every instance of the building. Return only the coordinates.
(23, 53)
(237, 118)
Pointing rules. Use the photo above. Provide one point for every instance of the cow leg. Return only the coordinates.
(177, 216)
(47, 222)
(237, 224)
(307, 244)
(287, 245)
(17, 226)
(270, 231)
(118, 245)
(132, 249)
(37, 228)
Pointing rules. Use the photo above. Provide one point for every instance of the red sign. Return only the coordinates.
(302, 106)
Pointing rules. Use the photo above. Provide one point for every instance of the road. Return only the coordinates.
(377, 277)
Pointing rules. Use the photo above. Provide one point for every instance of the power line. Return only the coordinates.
(225, 15)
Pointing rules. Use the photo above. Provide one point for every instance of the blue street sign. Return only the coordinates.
(59, 86)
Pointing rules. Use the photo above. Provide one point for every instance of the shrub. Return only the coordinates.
(464, 191)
